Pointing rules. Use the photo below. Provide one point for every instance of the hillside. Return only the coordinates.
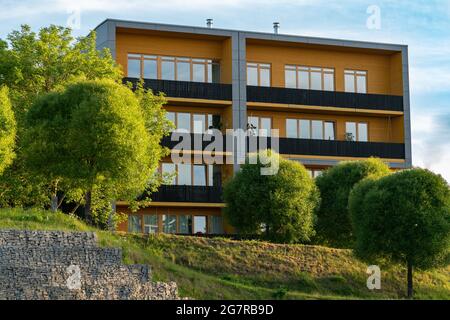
(225, 269)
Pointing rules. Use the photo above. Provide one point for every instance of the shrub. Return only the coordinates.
(333, 219)
(280, 206)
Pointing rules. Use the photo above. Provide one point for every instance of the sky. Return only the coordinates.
(423, 25)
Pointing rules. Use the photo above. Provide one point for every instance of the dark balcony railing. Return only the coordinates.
(169, 193)
(324, 98)
(167, 142)
(336, 148)
(187, 89)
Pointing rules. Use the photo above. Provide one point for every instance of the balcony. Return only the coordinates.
(324, 98)
(171, 193)
(167, 142)
(336, 148)
(186, 89)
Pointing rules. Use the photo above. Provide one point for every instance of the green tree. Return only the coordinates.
(280, 205)
(109, 139)
(403, 218)
(33, 64)
(7, 130)
(333, 225)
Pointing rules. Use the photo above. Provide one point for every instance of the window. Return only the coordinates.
(150, 223)
(356, 131)
(183, 70)
(150, 65)
(134, 223)
(173, 68)
(314, 173)
(168, 169)
(309, 78)
(134, 66)
(199, 224)
(215, 224)
(199, 175)
(168, 68)
(258, 74)
(200, 123)
(317, 129)
(305, 129)
(291, 128)
(355, 81)
(259, 126)
(169, 223)
(192, 175)
(310, 129)
(185, 224)
(362, 132)
(329, 130)
(184, 121)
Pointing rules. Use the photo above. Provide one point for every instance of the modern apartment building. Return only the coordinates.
(330, 100)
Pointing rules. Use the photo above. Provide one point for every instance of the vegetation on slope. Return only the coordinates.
(225, 269)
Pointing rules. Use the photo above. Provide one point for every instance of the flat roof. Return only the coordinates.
(254, 35)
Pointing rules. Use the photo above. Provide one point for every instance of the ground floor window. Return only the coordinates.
(200, 225)
(169, 223)
(150, 223)
(175, 223)
(215, 225)
(134, 223)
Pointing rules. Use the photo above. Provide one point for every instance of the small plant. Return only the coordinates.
(280, 293)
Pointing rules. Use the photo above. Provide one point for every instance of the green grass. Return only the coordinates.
(225, 269)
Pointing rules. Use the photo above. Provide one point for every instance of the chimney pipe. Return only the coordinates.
(276, 26)
(209, 23)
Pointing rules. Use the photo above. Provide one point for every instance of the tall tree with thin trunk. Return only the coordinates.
(108, 139)
(404, 218)
(33, 64)
(7, 130)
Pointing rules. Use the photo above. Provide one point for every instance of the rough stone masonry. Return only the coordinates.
(57, 265)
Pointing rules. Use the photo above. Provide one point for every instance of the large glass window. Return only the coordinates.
(185, 224)
(199, 72)
(134, 66)
(199, 175)
(291, 128)
(150, 65)
(169, 223)
(134, 223)
(183, 70)
(168, 169)
(184, 121)
(150, 223)
(305, 129)
(317, 129)
(355, 81)
(199, 123)
(329, 130)
(310, 78)
(350, 131)
(215, 225)
(168, 68)
(184, 174)
(200, 224)
(310, 129)
(259, 126)
(258, 74)
(363, 132)
(173, 68)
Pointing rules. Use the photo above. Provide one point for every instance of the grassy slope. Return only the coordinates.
(225, 269)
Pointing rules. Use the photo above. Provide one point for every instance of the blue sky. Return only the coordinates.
(423, 25)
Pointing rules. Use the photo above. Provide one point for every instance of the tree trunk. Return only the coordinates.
(87, 207)
(111, 215)
(54, 204)
(410, 279)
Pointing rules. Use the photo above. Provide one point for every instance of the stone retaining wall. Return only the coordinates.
(40, 265)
